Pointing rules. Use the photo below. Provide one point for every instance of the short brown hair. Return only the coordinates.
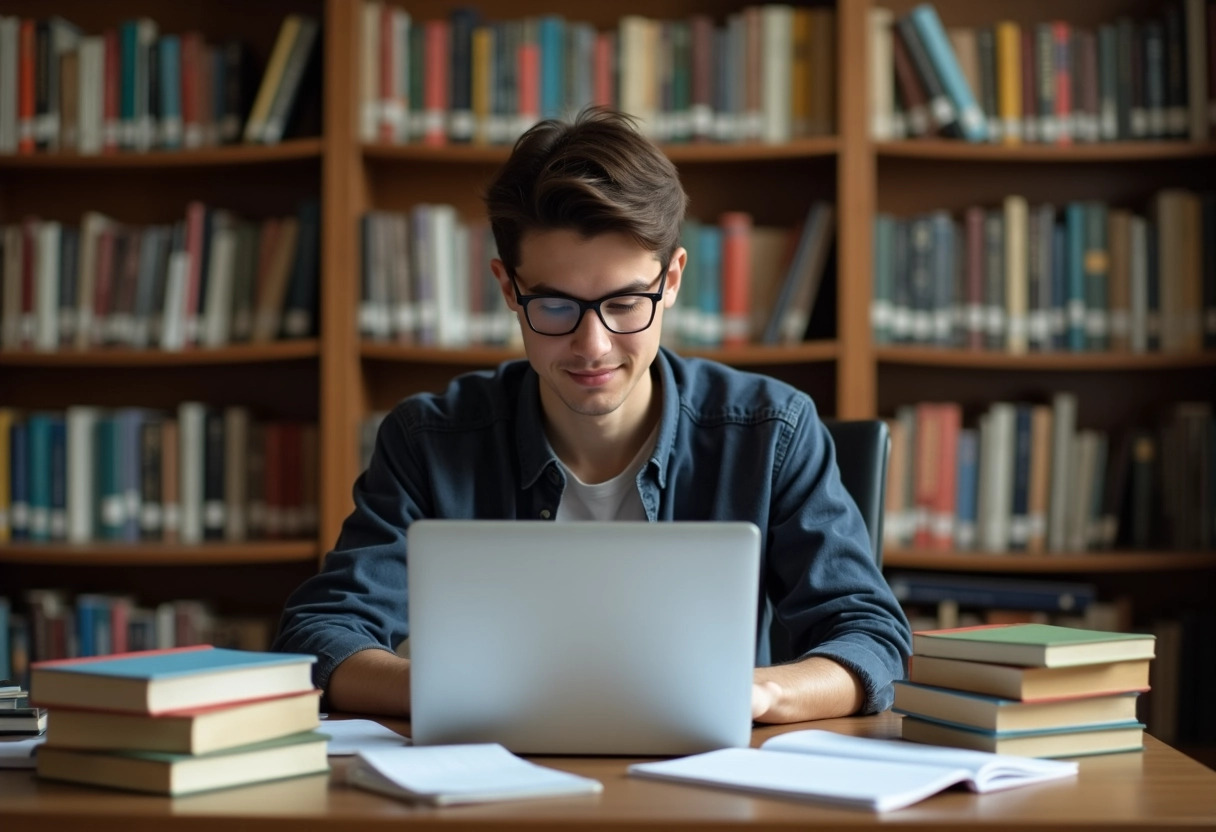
(594, 175)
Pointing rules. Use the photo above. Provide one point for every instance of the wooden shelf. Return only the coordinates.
(1139, 561)
(812, 351)
(275, 351)
(160, 554)
(679, 153)
(252, 154)
(1063, 361)
(940, 149)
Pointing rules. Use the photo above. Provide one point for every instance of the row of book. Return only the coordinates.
(1050, 82)
(184, 720)
(764, 73)
(1028, 478)
(1083, 276)
(137, 474)
(208, 280)
(744, 283)
(134, 88)
(427, 280)
(1032, 690)
(53, 623)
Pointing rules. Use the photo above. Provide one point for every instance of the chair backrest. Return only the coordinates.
(863, 447)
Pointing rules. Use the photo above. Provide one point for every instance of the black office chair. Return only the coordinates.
(863, 447)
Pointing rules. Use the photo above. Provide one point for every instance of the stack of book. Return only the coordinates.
(17, 717)
(1033, 690)
(179, 721)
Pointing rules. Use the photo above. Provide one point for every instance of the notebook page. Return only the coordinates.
(841, 781)
(988, 772)
(466, 773)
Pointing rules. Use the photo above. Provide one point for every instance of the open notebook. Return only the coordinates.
(854, 772)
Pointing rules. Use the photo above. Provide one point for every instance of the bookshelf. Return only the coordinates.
(338, 379)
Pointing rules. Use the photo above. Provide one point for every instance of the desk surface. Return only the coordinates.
(1157, 788)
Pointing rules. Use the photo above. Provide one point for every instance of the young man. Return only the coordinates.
(600, 423)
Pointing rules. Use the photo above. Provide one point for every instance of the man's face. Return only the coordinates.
(592, 371)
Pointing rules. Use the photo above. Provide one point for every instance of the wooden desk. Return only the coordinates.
(1158, 788)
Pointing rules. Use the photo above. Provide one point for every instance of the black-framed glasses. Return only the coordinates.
(623, 314)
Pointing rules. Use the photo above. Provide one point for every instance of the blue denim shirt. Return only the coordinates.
(731, 446)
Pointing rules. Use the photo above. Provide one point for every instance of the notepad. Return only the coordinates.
(853, 772)
(448, 775)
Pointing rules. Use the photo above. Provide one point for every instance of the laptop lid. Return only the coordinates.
(583, 638)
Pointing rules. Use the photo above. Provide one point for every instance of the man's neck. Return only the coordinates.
(597, 448)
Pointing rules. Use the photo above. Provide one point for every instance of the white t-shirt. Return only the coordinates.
(614, 499)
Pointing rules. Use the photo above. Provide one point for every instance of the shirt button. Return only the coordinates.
(544, 513)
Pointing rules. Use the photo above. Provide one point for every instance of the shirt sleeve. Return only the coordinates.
(827, 591)
(358, 601)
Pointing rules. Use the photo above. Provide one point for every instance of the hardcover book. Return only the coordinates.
(157, 681)
(178, 774)
(1033, 645)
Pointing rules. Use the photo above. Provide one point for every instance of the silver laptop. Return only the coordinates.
(583, 638)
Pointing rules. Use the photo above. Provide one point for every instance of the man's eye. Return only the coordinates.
(622, 306)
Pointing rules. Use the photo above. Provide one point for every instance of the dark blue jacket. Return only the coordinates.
(731, 446)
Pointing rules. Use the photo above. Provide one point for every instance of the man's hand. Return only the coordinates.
(765, 695)
(814, 688)
(371, 682)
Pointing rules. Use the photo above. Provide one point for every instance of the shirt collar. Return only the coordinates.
(536, 456)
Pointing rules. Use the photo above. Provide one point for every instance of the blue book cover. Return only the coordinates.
(709, 286)
(684, 324)
(38, 438)
(59, 478)
(933, 35)
(967, 488)
(171, 91)
(884, 280)
(19, 482)
(128, 48)
(171, 663)
(552, 37)
(1074, 221)
(6, 661)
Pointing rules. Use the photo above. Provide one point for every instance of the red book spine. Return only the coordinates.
(926, 470)
(605, 48)
(529, 82)
(435, 91)
(1062, 35)
(736, 277)
(273, 480)
(949, 423)
(192, 125)
(25, 88)
(386, 129)
(110, 118)
(196, 214)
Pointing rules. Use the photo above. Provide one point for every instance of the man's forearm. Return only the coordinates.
(814, 688)
(371, 682)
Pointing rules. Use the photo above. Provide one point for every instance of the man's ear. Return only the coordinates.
(504, 283)
(675, 271)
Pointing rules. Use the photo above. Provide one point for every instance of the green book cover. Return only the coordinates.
(1046, 635)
